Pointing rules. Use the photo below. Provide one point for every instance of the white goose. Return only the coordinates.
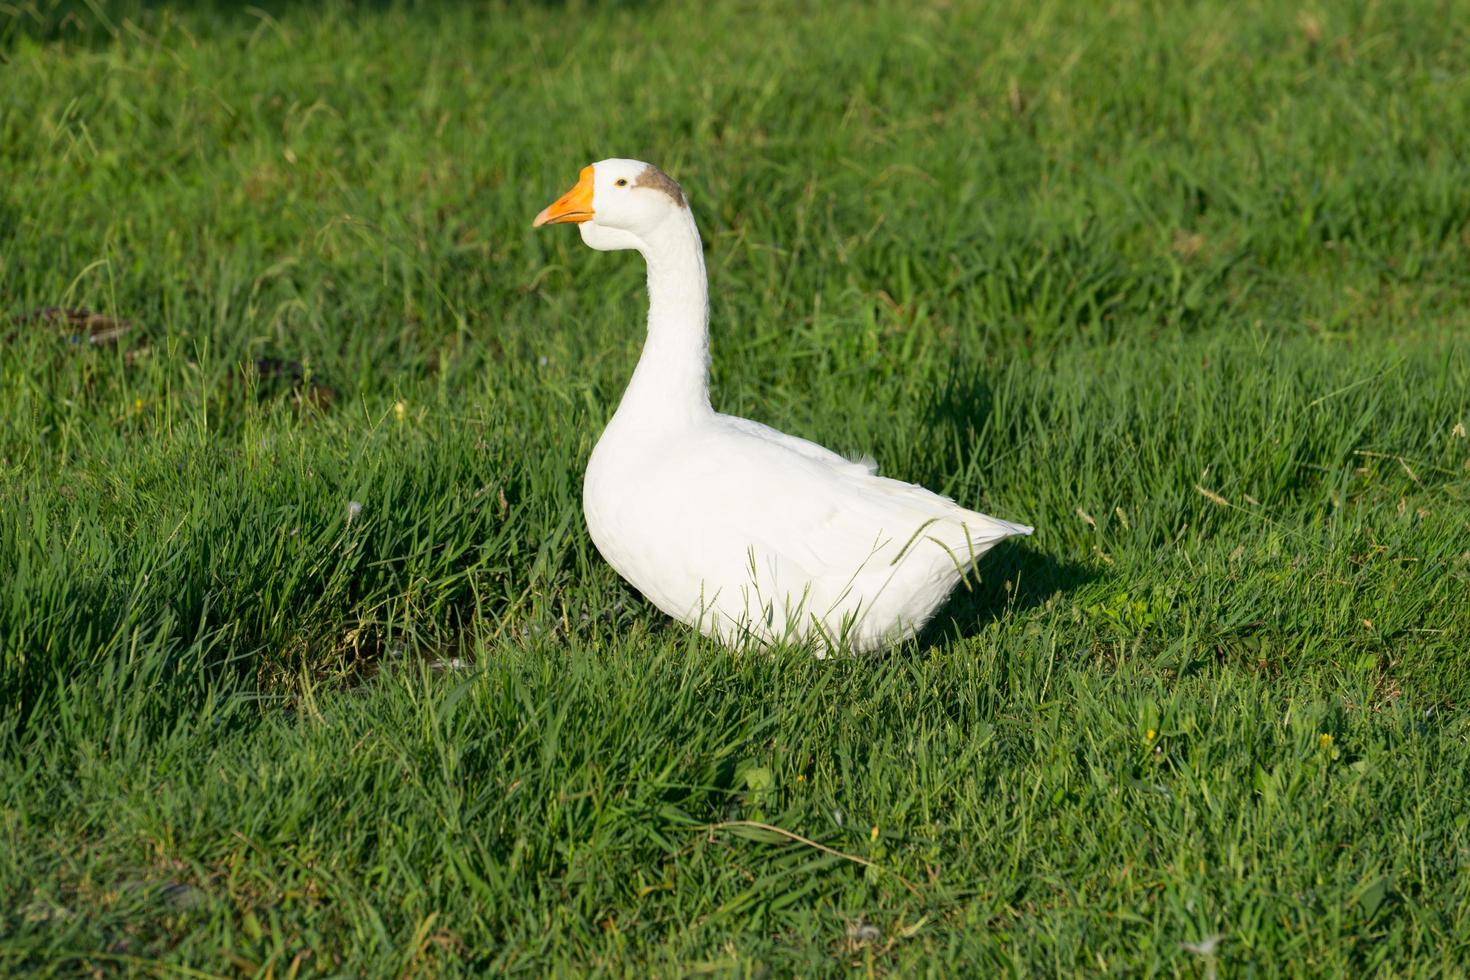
(746, 533)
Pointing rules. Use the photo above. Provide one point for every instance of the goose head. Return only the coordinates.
(618, 204)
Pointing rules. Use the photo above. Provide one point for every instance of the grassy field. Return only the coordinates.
(308, 665)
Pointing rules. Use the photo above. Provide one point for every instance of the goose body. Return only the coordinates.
(742, 531)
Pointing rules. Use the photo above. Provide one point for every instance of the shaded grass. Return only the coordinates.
(1183, 288)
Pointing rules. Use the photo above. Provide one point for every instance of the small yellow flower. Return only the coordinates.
(1150, 735)
(137, 404)
(1324, 741)
(399, 410)
(873, 834)
(800, 778)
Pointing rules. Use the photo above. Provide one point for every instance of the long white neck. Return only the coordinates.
(670, 386)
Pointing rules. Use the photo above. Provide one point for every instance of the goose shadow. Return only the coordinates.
(1011, 580)
(1017, 576)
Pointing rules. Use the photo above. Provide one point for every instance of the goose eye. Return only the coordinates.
(621, 182)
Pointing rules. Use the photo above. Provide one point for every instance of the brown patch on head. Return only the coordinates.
(660, 181)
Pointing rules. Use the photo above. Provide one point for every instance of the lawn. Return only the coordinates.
(308, 665)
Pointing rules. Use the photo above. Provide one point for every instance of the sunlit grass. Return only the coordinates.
(308, 658)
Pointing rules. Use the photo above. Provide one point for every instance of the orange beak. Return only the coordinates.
(575, 206)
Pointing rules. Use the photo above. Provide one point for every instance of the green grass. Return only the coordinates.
(1185, 286)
